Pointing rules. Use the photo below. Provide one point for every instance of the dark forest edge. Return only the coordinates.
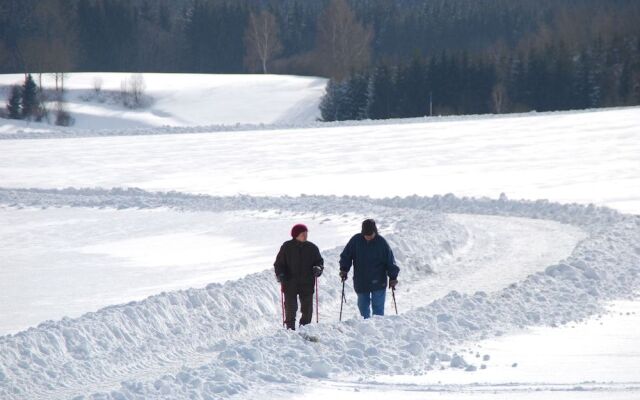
(396, 58)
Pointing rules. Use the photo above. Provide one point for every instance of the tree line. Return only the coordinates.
(509, 43)
(604, 74)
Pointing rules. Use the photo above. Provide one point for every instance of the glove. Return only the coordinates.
(393, 283)
(343, 275)
(317, 271)
(280, 278)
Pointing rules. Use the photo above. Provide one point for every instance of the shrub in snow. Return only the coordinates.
(63, 118)
(132, 91)
(14, 103)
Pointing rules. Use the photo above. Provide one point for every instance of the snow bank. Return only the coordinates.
(242, 352)
(164, 330)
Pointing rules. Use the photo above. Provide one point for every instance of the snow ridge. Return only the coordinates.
(158, 334)
(606, 265)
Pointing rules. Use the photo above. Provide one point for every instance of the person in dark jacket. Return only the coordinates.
(297, 265)
(373, 262)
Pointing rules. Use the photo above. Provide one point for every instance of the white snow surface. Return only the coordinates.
(81, 259)
(176, 100)
(224, 340)
(584, 157)
(594, 359)
(121, 207)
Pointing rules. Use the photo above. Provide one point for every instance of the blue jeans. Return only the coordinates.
(371, 300)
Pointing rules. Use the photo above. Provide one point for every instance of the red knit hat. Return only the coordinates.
(298, 229)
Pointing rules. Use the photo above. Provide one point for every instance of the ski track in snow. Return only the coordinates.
(188, 344)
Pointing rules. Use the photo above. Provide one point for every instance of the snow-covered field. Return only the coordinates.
(564, 157)
(165, 241)
(178, 100)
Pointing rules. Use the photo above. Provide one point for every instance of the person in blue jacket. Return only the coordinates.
(373, 262)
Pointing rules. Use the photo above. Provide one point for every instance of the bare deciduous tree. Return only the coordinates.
(499, 98)
(52, 51)
(63, 118)
(343, 43)
(261, 41)
(132, 91)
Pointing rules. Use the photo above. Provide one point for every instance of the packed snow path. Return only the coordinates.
(142, 346)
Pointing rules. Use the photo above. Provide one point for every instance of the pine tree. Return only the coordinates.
(411, 88)
(13, 105)
(332, 106)
(357, 90)
(30, 103)
(380, 99)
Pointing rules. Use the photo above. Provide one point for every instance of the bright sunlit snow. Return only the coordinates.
(180, 100)
(136, 258)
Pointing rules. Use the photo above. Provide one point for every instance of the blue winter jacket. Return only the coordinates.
(372, 262)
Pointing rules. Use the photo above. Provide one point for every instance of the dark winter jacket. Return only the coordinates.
(372, 262)
(295, 262)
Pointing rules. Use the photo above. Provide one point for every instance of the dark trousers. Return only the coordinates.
(291, 307)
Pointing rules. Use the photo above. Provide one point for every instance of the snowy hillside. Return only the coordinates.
(584, 157)
(180, 100)
(137, 263)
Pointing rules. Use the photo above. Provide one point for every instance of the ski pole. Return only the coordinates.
(393, 293)
(342, 299)
(282, 303)
(317, 312)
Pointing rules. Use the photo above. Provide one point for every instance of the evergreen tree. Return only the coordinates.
(357, 91)
(14, 104)
(380, 96)
(333, 104)
(30, 103)
(413, 96)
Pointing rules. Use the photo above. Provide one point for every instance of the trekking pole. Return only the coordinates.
(342, 299)
(393, 293)
(317, 312)
(282, 303)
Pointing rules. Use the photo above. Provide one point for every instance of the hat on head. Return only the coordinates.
(369, 227)
(298, 229)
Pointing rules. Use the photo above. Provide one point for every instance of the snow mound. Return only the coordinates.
(243, 351)
(220, 320)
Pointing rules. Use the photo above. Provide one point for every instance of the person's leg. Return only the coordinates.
(291, 307)
(364, 302)
(306, 307)
(377, 301)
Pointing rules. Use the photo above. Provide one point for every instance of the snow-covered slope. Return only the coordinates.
(567, 157)
(472, 268)
(180, 100)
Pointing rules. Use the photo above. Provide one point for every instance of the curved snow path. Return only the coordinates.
(603, 266)
(68, 261)
(499, 251)
(505, 247)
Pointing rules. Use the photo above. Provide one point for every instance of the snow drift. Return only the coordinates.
(228, 332)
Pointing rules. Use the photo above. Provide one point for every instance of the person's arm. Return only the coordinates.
(392, 269)
(346, 257)
(280, 265)
(318, 264)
